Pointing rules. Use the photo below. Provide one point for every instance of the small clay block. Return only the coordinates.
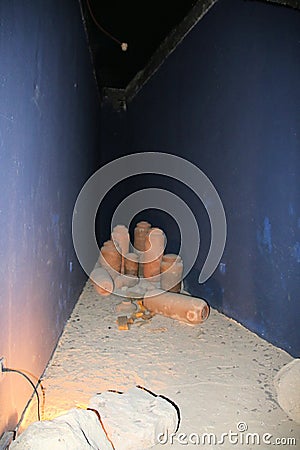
(122, 322)
(138, 315)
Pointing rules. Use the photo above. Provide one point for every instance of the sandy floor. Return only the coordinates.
(218, 373)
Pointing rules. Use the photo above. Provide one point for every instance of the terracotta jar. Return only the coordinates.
(152, 257)
(108, 243)
(120, 235)
(111, 259)
(140, 233)
(171, 273)
(177, 306)
(102, 281)
(131, 264)
(171, 257)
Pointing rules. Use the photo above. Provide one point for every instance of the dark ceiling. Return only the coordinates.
(141, 24)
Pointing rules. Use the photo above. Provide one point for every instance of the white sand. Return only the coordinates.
(218, 373)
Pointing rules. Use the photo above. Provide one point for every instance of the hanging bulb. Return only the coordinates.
(124, 45)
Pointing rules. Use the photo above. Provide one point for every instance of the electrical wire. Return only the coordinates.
(123, 45)
(7, 369)
(43, 390)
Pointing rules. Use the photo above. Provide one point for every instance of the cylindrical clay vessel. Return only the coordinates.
(102, 281)
(177, 306)
(154, 249)
(120, 236)
(140, 233)
(108, 243)
(110, 259)
(131, 264)
(171, 273)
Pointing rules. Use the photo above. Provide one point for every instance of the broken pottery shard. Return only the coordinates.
(134, 420)
(287, 384)
(177, 306)
(78, 429)
(122, 323)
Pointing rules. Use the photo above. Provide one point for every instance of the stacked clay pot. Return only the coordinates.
(131, 264)
(171, 272)
(102, 281)
(111, 258)
(140, 233)
(120, 235)
(152, 257)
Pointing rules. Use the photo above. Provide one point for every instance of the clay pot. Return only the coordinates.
(108, 243)
(140, 233)
(131, 264)
(120, 236)
(171, 273)
(102, 281)
(171, 258)
(188, 309)
(111, 259)
(152, 257)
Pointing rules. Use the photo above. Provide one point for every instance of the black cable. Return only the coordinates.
(6, 369)
(43, 390)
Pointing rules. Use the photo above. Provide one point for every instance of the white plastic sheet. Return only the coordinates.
(128, 421)
(78, 429)
(135, 419)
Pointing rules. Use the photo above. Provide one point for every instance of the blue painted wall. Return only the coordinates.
(228, 100)
(49, 122)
